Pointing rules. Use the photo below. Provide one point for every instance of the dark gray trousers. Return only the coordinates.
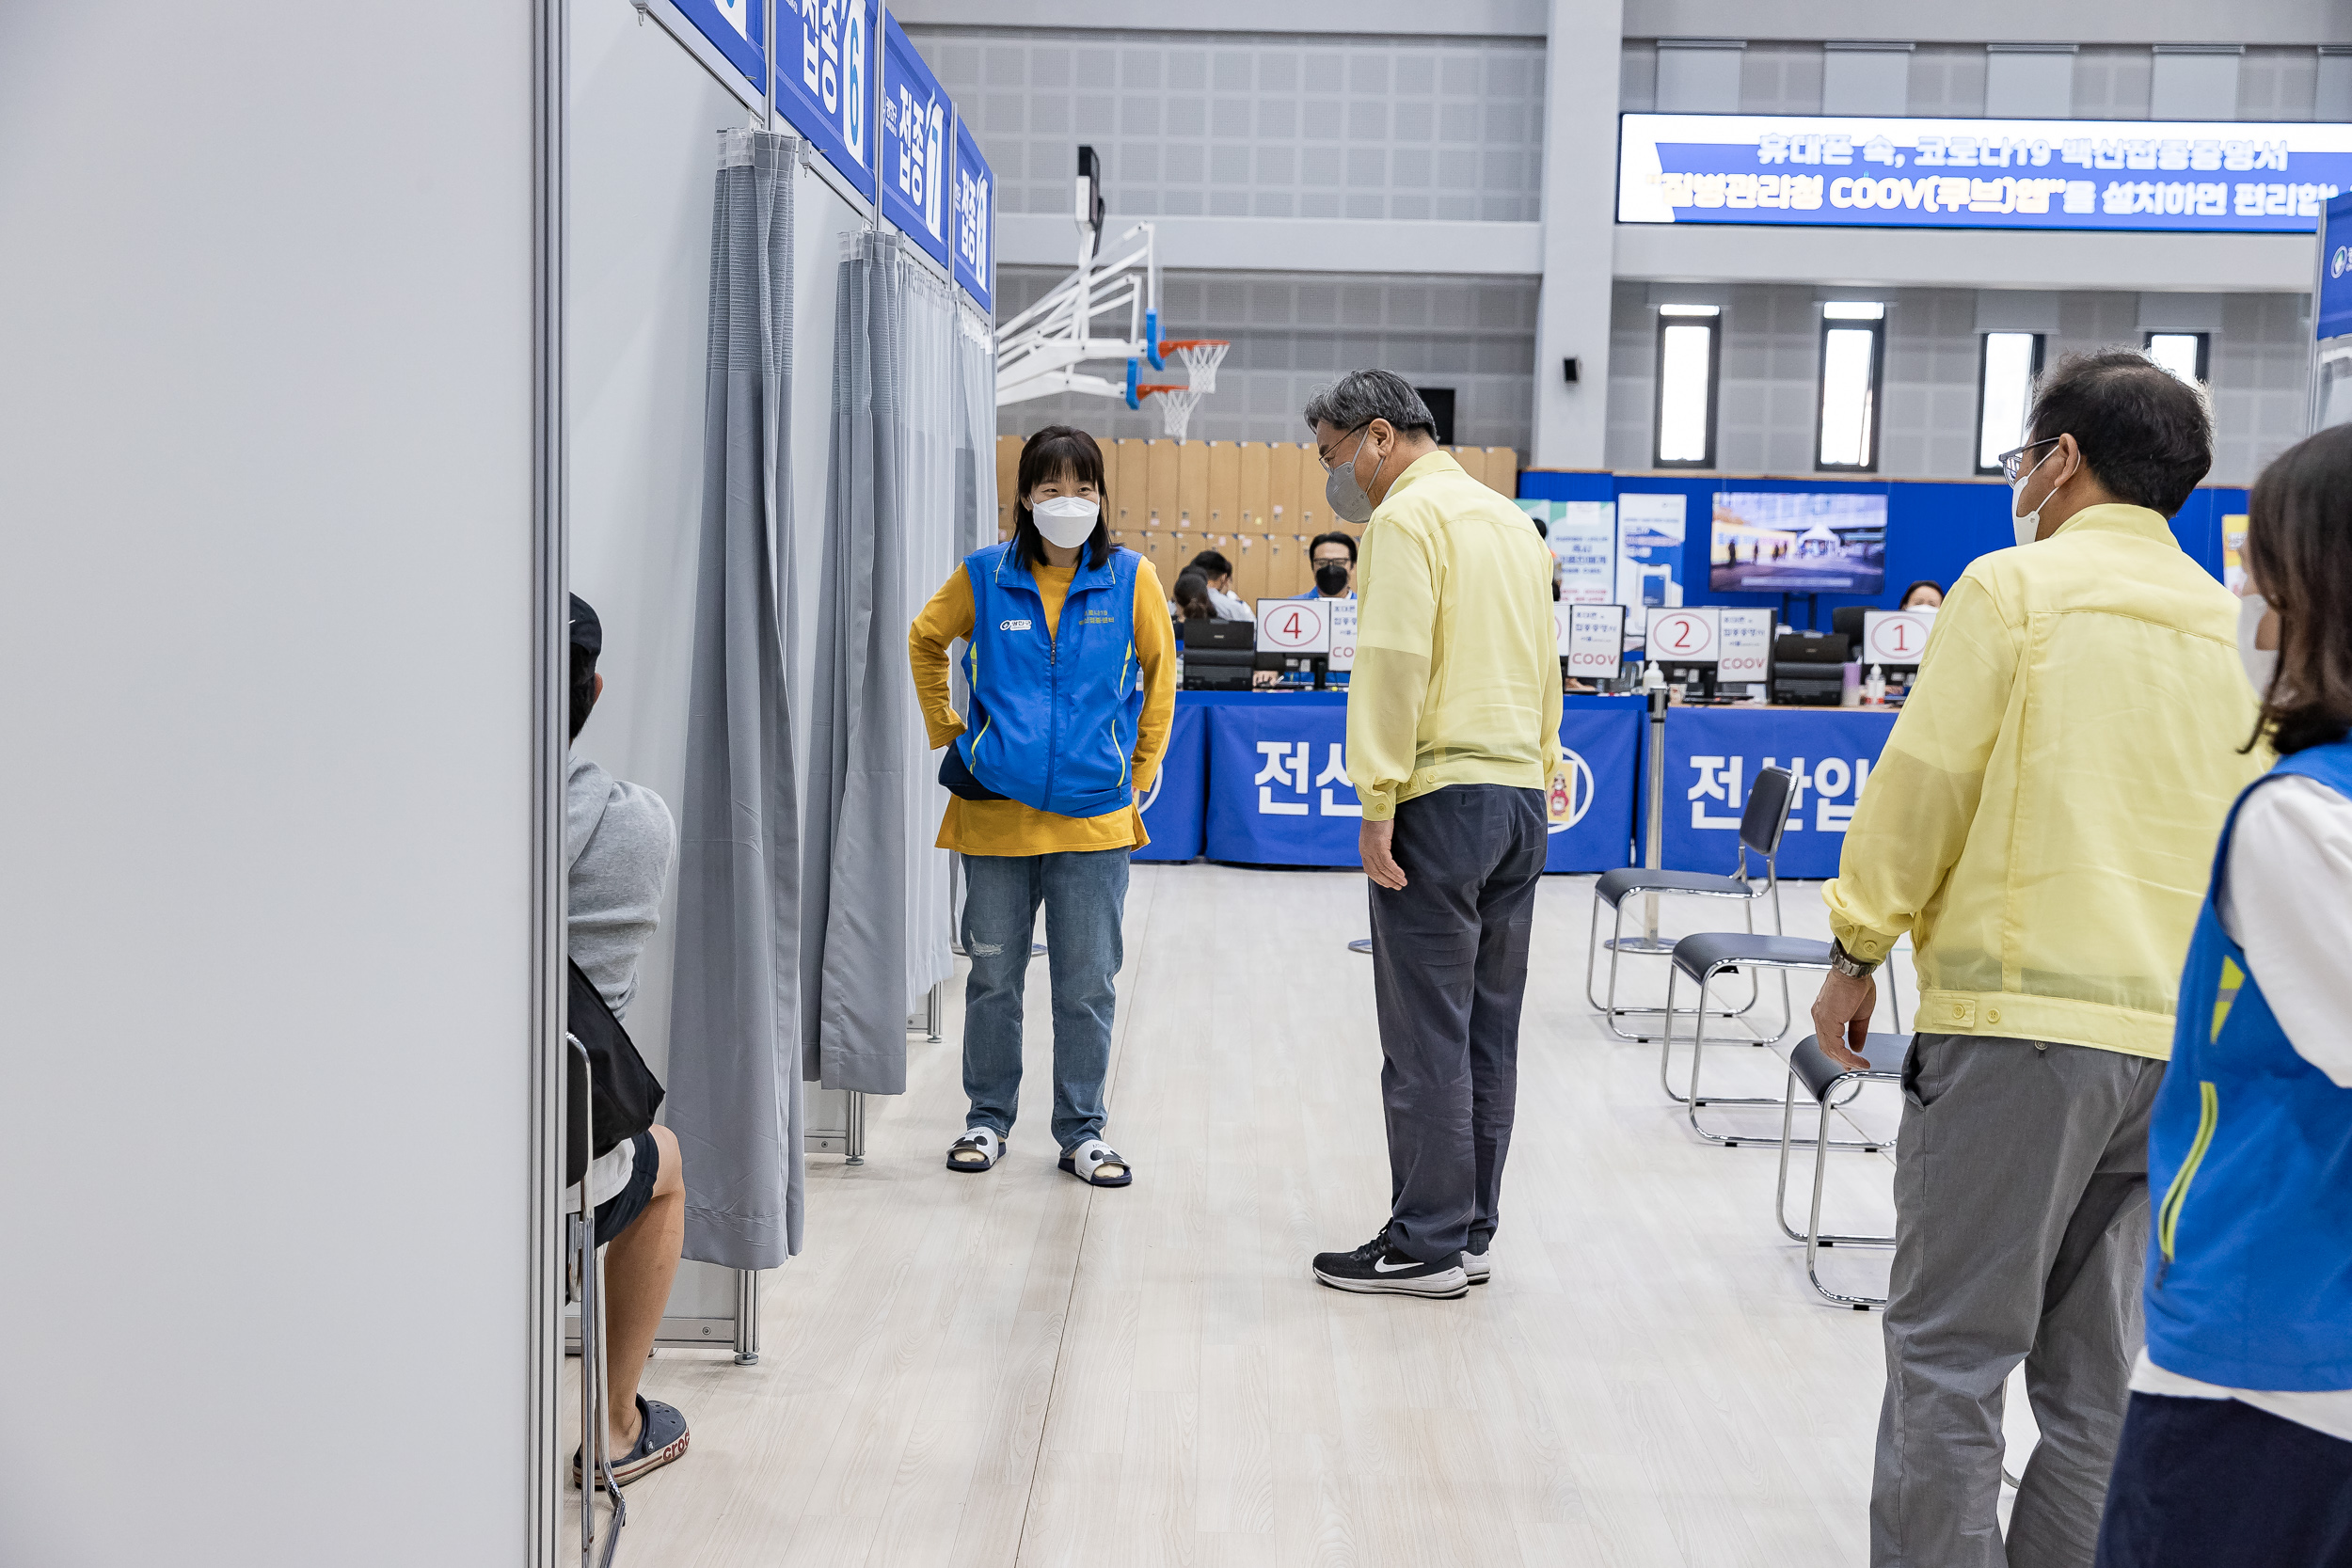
(2021, 1220)
(1449, 967)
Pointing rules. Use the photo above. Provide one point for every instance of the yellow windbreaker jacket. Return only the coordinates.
(2044, 820)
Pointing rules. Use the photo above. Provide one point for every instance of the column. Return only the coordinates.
(1580, 70)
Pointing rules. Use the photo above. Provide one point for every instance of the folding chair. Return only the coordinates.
(584, 1283)
(1761, 825)
(1809, 1065)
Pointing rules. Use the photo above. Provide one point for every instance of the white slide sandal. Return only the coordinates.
(1098, 1165)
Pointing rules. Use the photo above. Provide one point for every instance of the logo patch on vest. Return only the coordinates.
(1012, 626)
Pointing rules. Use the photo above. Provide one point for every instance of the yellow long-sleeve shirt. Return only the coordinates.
(2042, 819)
(1009, 827)
(1457, 663)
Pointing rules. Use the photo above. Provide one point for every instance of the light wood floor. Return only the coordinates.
(1011, 1369)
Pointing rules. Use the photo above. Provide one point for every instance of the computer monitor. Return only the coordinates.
(1797, 542)
(1236, 636)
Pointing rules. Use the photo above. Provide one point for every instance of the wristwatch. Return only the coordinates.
(1847, 964)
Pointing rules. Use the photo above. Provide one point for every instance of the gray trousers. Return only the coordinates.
(1449, 969)
(2021, 1222)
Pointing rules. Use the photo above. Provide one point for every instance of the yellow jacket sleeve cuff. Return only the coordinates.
(1378, 807)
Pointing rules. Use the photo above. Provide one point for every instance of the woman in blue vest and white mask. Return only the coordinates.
(1071, 663)
(2238, 1443)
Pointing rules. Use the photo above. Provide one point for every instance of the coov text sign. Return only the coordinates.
(1295, 625)
(1746, 644)
(1683, 636)
(1342, 633)
(1895, 635)
(1595, 641)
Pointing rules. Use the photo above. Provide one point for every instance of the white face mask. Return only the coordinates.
(2028, 525)
(1067, 521)
(2261, 664)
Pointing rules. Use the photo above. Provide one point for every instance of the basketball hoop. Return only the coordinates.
(1176, 406)
(1200, 356)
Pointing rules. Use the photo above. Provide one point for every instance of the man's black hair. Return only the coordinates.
(1334, 537)
(1212, 563)
(1360, 397)
(587, 641)
(2145, 434)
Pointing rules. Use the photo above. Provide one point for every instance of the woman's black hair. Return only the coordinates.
(1059, 452)
(2299, 547)
(1924, 582)
(1192, 596)
(1212, 563)
(583, 686)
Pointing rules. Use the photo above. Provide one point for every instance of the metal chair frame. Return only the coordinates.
(1751, 836)
(1693, 1101)
(1813, 1236)
(585, 1269)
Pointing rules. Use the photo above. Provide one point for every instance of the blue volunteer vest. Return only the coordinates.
(2249, 1281)
(1053, 715)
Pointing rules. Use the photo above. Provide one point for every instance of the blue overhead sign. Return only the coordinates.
(2132, 175)
(825, 87)
(2334, 316)
(918, 141)
(973, 218)
(739, 30)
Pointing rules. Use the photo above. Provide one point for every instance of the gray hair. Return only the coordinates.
(1360, 397)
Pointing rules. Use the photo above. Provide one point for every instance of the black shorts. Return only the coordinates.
(619, 1211)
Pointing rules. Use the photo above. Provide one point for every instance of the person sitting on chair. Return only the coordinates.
(1225, 604)
(618, 845)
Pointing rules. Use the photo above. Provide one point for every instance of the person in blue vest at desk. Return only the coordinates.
(2237, 1446)
(1071, 663)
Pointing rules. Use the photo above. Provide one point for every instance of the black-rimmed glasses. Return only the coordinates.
(2011, 458)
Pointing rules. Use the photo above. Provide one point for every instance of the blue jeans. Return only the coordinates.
(1085, 894)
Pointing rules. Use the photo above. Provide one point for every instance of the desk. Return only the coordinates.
(1277, 790)
(1712, 755)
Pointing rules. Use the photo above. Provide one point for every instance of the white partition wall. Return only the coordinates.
(267, 812)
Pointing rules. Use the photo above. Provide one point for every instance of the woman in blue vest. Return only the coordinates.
(2238, 1444)
(1071, 660)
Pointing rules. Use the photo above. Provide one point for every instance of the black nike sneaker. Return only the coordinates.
(1378, 1269)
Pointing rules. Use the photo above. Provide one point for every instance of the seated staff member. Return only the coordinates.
(1072, 669)
(1333, 556)
(1194, 595)
(1223, 602)
(1923, 594)
(2237, 1446)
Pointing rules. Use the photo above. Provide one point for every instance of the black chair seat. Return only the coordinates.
(1816, 1073)
(1614, 885)
(1695, 955)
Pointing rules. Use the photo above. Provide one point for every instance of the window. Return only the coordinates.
(2182, 353)
(1688, 355)
(2004, 392)
(1850, 340)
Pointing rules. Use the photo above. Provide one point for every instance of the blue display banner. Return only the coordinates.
(973, 217)
(2136, 175)
(1175, 803)
(1279, 795)
(1713, 755)
(739, 30)
(918, 141)
(825, 87)
(2334, 318)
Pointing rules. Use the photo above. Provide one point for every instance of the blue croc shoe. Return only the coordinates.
(661, 1439)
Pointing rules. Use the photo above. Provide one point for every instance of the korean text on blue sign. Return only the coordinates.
(738, 28)
(824, 88)
(2333, 319)
(2133, 175)
(971, 213)
(917, 136)
(1713, 758)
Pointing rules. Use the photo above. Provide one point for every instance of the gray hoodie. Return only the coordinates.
(618, 842)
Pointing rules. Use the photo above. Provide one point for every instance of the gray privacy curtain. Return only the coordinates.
(735, 1070)
(976, 429)
(875, 892)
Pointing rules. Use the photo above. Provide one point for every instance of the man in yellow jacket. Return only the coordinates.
(1452, 728)
(2042, 824)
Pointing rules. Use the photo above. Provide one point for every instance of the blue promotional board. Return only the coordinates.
(825, 87)
(973, 220)
(739, 30)
(2333, 317)
(917, 140)
(1174, 805)
(1279, 795)
(2134, 176)
(1713, 755)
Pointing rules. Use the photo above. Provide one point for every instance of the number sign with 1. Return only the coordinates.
(1295, 625)
(1895, 635)
(1682, 635)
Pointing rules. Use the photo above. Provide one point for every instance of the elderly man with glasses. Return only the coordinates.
(2041, 823)
(1453, 729)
